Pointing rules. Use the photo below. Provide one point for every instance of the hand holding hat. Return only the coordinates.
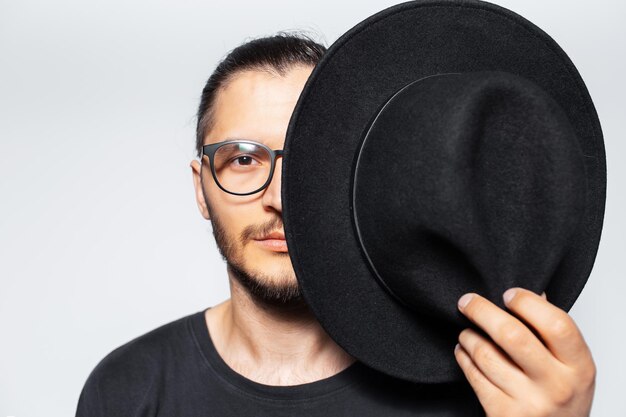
(512, 372)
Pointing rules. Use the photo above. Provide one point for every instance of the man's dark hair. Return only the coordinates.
(274, 54)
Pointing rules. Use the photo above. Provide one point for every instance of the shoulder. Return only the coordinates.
(122, 380)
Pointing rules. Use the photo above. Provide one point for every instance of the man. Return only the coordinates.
(262, 352)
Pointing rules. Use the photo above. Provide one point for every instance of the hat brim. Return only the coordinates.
(356, 76)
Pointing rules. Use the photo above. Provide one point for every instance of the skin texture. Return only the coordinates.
(535, 361)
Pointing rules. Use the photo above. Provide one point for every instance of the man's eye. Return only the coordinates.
(244, 160)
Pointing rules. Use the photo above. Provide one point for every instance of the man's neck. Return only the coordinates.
(273, 345)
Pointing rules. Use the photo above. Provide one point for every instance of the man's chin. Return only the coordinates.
(268, 265)
(274, 286)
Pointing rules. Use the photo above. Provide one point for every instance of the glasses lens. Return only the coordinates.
(242, 167)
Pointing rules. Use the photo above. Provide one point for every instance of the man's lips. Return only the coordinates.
(274, 241)
(273, 235)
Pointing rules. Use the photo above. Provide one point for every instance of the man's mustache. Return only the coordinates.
(258, 231)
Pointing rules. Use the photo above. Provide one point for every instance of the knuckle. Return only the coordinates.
(512, 334)
(472, 372)
(586, 374)
(562, 327)
(539, 407)
(562, 394)
(483, 354)
(592, 372)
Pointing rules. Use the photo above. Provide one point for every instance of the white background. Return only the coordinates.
(100, 237)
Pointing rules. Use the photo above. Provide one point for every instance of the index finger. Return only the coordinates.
(509, 333)
(555, 327)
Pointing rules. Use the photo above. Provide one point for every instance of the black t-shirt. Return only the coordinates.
(175, 370)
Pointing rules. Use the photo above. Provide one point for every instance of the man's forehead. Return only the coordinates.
(257, 106)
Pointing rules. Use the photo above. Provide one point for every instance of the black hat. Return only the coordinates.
(438, 148)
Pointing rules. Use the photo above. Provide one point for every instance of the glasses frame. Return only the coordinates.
(209, 150)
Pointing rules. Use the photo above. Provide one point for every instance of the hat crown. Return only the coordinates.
(448, 163)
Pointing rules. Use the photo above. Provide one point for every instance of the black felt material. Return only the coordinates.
(467, 182)
(347, 89)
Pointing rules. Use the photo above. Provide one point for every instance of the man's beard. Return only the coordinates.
(279, 291)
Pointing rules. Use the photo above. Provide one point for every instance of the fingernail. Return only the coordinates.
(543, 294)
(456, 347)
(509, 294)
(463, 301)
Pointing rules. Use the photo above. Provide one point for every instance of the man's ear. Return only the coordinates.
(199, 192)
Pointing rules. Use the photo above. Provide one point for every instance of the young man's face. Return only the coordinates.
(256, 106)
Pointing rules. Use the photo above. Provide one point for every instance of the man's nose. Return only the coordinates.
(271, 196)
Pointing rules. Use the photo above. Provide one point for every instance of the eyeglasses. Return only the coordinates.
(240, 167)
